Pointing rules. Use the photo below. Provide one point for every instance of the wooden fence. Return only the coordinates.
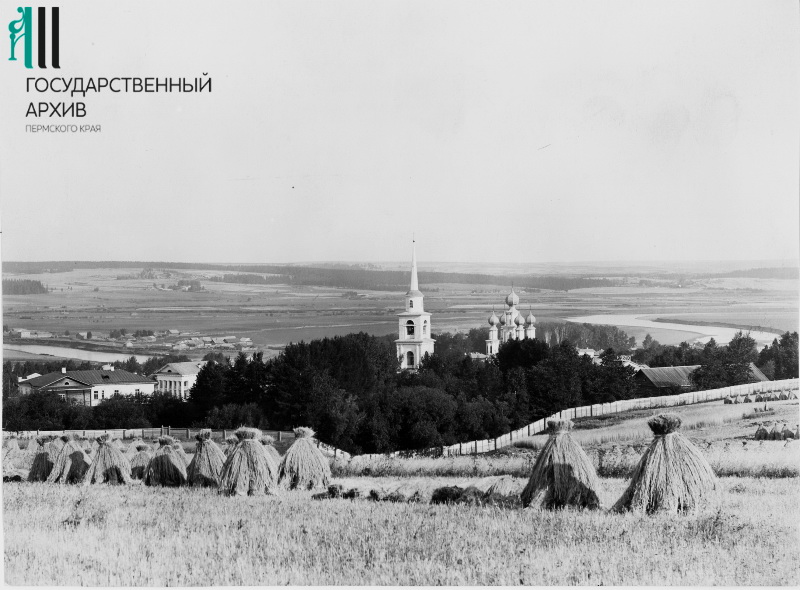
(475, 447)
(153, 433)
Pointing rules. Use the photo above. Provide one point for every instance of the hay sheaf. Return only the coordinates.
(563, 474)
(248, 470)
(267, 441)
(70, 465)
(672, 475)
(44, 461)
(140, 461)
(109, 464)
(166, 468)
(132, 449)
(230, 444)
(206, 465)
(303, 466)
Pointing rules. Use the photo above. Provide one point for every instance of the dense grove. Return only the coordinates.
(23, 287)
(349, 390)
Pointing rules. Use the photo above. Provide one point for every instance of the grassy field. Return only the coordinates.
(141, 536)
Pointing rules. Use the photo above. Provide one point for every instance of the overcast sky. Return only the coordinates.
(494, 130)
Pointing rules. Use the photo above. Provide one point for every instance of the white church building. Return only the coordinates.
(414, 324)
(510, 325)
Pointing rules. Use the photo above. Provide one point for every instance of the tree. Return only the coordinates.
(724, 366)
(89, 335)
(209, 389)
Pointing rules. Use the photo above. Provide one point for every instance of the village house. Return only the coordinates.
(89, 388)
(177, 379)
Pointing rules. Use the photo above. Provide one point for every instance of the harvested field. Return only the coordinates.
(134, 535)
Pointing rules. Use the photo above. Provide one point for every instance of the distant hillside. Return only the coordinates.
(781, 272)
(347, 277)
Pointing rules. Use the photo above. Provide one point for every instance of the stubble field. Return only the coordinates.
(142, 536)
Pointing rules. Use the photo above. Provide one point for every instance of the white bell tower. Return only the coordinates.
(414, 324)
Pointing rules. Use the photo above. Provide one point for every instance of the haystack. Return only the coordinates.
(166, 468)
(71, 464)
(141, 460)
(672, 476)
(728, 400)
(776, 432)
(268, 441)
(206, 465)
(178, 448)
(303, 466)
(737, 399)
(132, 449)
(230, 444)
(109, 465)
(563, 475)
(761, 433)
(13, 456)
(45, 459)
(747, 399)
(786, 432)
(29, 454)
(791, 395)
(783, 395)
(248, 470)
(57, 442)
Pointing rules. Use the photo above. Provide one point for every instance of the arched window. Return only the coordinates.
(410, 303)
(425, 328)
(410, 359)
(409, 328)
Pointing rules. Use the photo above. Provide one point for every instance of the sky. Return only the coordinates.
(513, 131)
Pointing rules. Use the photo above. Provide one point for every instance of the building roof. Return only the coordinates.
(92, 377)
(180, 369)
(669, 376)
(757, 373)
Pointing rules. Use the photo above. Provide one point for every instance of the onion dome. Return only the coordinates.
(503, 320)
(530, 320)
(512, 299)
(493, 319)
(518, 320)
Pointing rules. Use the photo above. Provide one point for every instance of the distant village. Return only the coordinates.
(171, 340)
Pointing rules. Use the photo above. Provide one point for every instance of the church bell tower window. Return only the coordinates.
(409, 328)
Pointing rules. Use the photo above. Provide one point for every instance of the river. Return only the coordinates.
(701, 334)
(73, 353)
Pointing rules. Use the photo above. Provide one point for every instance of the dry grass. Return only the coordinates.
(712, 421)
(771, 459)
(132, 535)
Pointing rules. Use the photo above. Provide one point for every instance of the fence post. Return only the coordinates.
(168, 431)
(459, 448)
(279, 436)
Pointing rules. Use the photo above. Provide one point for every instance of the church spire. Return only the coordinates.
(414, 282)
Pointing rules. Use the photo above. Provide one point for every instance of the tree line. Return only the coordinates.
(23, 287)
(348, 388)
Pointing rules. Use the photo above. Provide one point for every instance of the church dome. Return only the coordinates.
(530, 320)
(503, 320)
(518, 320)
(512, 299)
(493, 319)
